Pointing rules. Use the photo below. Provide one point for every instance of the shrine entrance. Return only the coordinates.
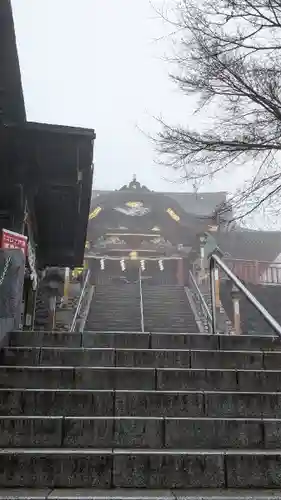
(152, 271)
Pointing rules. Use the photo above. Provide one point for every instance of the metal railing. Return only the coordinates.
(80, 302)
(141, 301)
(202, 302)
(216, 262)
(85, 313)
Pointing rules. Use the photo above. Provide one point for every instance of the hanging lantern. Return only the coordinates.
(161, 265)
(102, 264)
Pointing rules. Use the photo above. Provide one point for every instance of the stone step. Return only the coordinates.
(129, 378)
(109, 306)
(172, 324)
(145, 340)
(113, 325)
(123, 291)
(117, 322)
(122, 306)
(170, 307)
(117, 298)
(104, 469)
(108, 328)
(124, 315)
(150, 358)
(168, 296)
(44, 338)
(109, 378)
(162, 319)
(140, 403)
(139, 432)
(134, 317)
(112, 339)
(161, 290)
(165, 311)
(118, 295)
(178, 298)
(114, 302)
(118, 302)
(137, 494)
(177, 327)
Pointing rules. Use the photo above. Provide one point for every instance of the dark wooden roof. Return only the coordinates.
(55, 168)
(12, 108)
(49, 165)
(250, 245)
(202, 204)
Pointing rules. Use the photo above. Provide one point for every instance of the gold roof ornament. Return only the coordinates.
(133, 255)
(173, 214)
(77, 271)
(134, 204)
(95, 213)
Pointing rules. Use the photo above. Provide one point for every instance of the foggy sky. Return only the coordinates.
(97, 64)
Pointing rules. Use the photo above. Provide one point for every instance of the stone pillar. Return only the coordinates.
(52, 312)
(28, 306)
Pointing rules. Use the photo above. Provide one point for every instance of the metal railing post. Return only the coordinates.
(202, 301)
(215, 261)
(141, 301)
(213, 294)
(79, 305)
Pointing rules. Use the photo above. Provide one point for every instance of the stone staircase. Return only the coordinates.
(139, 415)
(115, 308)
(167, 309)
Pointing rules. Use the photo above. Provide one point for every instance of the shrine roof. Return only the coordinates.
(201, 204)
(250, 245)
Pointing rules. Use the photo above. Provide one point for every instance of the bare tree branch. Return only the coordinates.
(228, 56)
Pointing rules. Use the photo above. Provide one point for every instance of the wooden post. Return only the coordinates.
(66, 285)
(257, 272)
(180, 273)
(217, 288)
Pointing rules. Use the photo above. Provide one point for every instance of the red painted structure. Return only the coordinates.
(256, 272)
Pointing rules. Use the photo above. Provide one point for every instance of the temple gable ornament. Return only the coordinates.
(133, 209)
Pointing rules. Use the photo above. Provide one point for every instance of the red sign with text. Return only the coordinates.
(9, 239)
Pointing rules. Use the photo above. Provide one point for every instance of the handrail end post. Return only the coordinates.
(213, 294)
